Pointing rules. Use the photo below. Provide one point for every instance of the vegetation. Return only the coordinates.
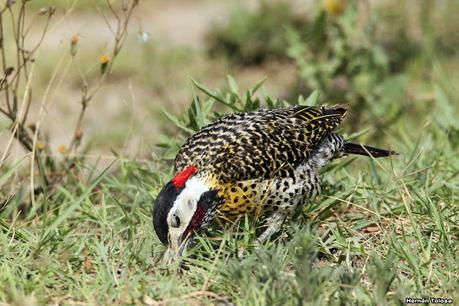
(242, 45)
(381, 231)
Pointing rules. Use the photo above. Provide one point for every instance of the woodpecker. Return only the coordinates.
(264, 163)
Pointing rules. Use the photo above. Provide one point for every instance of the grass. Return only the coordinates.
(381, 231)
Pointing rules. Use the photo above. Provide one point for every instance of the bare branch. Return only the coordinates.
(16, 81)
(88, 94)
(4, 65)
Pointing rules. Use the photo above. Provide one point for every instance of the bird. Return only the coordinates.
(264, 163)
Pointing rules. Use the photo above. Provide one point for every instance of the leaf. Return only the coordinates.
(257, 86)
(312, 99)
(195, 115)
(233, 85)
(445, 110)
(177, 123)
(4, 178)
(272, 103)
(212, 95)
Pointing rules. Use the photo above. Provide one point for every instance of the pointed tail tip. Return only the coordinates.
(336, 110)
(360, 149)
(384, 152)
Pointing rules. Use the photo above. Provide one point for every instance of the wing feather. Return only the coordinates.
(260, 144)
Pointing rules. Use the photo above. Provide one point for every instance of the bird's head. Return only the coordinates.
(183, 207)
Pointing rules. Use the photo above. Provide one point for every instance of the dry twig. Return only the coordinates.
(16, 72)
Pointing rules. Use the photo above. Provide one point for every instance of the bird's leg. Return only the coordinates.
(274, 225)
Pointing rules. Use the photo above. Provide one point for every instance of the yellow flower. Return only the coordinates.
(79, 134)
(73, 44)
(62, 149)
(40, 146)
(104, 59)
(74, 39)
(334, 7)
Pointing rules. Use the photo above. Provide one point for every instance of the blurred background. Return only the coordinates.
(394, 63)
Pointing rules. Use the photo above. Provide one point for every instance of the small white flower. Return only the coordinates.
(143, 36)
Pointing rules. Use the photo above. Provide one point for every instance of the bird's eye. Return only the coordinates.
(175, 222)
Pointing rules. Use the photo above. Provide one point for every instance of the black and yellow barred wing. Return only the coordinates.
(261, 144)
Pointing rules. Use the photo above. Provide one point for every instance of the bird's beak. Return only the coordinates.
(175, 250)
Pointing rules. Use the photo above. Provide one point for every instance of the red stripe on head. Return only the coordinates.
(180, 179)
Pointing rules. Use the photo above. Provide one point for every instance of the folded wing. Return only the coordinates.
(260, 144)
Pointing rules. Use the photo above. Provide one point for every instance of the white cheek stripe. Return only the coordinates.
(185, 203)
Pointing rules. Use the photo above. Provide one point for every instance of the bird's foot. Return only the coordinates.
(274, 224)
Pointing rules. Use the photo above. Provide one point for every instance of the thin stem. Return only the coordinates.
(88, 95)
(4, 66)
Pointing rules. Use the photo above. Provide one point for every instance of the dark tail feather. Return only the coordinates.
(356, 148)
